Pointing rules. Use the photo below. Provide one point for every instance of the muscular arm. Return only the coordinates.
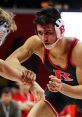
(9, 72)
(22, 54)
(56, 85)
(25, 51)
(75, 91)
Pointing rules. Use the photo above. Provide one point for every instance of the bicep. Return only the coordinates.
(25, 51)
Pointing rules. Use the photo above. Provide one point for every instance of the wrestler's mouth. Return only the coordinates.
(47, 43)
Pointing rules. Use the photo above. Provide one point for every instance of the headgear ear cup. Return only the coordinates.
(59, 28)
(4, 31)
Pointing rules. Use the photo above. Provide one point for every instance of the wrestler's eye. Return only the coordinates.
(39, 33)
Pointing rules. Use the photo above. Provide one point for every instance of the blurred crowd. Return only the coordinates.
(62, 5)
(18, 100)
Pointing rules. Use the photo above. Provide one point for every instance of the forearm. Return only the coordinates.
(9, 72)
(37, 91)
(14, 62)
(30, 105)
(72, 91)
(35, 86)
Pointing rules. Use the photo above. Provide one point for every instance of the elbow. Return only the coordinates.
(2, 62)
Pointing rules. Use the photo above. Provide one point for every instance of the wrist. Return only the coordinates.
(62, 87)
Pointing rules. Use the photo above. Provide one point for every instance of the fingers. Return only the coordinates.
(28, 76)
(40, 95)
(51, 89)
(54, 78)
(31, 75)
(54, 84)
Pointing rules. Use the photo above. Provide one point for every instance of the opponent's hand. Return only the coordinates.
(55, 84)
(38, 92)
(9, 18)
(27, 76)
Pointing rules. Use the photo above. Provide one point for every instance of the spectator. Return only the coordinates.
(25, 98)
(8, 107)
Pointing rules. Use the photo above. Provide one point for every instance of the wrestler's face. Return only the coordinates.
(47, 34)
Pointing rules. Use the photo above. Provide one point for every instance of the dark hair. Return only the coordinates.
(46, 16)
(6, 90)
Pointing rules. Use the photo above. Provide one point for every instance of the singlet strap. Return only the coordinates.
(74, 42)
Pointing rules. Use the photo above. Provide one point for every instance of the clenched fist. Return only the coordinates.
(27, 75)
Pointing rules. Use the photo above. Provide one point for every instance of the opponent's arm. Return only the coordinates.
(38, 92)
(25, 106)
(9, 72)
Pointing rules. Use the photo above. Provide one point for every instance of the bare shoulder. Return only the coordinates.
(77, 54)
(33, 42)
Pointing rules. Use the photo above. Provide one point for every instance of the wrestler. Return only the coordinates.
(63, 58)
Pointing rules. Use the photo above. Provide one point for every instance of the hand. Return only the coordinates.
(38, 92)
(55, 84)
(27, 76)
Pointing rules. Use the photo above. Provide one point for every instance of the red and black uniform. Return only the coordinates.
(67, 75)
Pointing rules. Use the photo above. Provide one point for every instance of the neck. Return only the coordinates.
(59, 47)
